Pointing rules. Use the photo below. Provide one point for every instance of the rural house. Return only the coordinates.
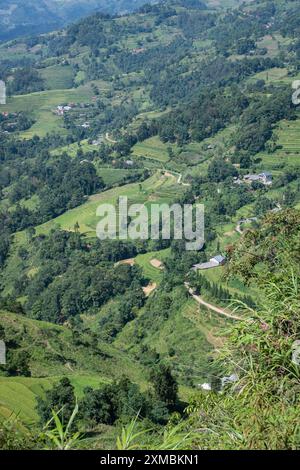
(214, 262)
(264, 178)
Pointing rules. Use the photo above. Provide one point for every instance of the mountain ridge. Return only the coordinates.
(22, 17)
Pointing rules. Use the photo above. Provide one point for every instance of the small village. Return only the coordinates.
(264, 178)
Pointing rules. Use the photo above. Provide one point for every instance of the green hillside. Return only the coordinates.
(53, 353)
(181, 102)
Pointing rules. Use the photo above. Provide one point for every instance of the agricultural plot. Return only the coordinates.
(279, 75)
(18, 394)
(288, 153)
(57, 77)
(270, 43)
(157, 188)
(152, 148)
(72, 149)
(114, 176)
(154, 274)
(41, 105)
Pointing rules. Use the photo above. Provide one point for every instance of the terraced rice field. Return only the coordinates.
(18, 394)
(156, 189)
(152, 148)
(41, 104)
(58, 77)
(289, 140)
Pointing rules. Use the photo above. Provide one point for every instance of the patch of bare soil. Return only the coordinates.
(150, 288)
(156, 263)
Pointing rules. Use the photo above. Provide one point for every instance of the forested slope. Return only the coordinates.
(179, 102)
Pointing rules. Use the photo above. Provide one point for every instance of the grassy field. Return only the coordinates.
(41, 105)
(114, 176)
(274, 75)
(57, 77)
(18, 394)
(152, 148)
(288, 154)
(157, 188)
(144, 261)
(271, 44)
(72, 149)
(235, 287)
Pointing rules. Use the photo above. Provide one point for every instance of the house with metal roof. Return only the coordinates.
(214, 262)
(264, 178)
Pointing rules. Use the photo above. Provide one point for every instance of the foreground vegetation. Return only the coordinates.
(176, 103)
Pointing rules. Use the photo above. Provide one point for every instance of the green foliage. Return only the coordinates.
(25, 80)
(73, 276)
(17, 363)
(165, 386)
(260, 251)
(174, 437)
(127, 439)
(13, 436)
(60, 399)
(256, 124)
(59, 435)
(260, 410)
(121, 400)
(219, 170)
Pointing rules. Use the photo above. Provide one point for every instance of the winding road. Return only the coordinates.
(214, 308)
(109, 139)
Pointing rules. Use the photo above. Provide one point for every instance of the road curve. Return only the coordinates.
(214, 308)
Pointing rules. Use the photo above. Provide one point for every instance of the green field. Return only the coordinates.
(72, 149)
(113, 176)
(57, 77)
(152, 148)
(288, 154)
(18, 394)
(144, 261)
(41, 105)
(274, 75)
(156, 189)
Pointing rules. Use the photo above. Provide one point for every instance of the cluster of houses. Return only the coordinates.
(138, 50)
(264, 178)
(9, 124)
(214, 262)
(61, 109)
